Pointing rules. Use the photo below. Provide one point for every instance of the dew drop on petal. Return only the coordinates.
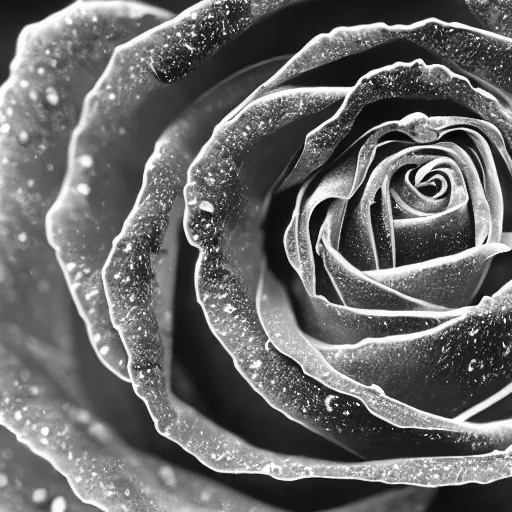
(86, 161)
(59, 504)
(23, 137)
(39, 495)
(206, 206)
(83, 188)
(328, 402)
(52, 96)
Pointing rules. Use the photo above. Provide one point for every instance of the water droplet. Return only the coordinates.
(257, 364)
(52, 96)
(59, 504)
(83, 188)
(328, 402)
(5, 128)
(3, 480)
(473, 364)
(378, 389)
(86, 161)
(206, 206)
(23, 137)
(39, 495)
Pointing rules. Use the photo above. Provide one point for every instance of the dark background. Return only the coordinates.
(313, 494)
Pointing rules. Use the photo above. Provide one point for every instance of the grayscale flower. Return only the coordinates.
(345, 205)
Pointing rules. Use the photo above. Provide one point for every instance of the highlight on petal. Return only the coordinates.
(57, 61)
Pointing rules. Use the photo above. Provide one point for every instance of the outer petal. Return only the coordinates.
(101, 470)
(28, 482)
(121, 119)
(39, 105)
(480, 54)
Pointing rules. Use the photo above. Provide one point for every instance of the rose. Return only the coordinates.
(226, 203)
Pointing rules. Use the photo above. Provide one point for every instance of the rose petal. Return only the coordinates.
(402, 500)
(400, 81)
(148, 232)
(494, 14)
(479, 131)
(341, 182)
(101, 470)
(297, 243)
(28, 482)
(280, 325)
(337, 324)
(227, 294)
(450, 281)
(358, 238)
(475, 52)
(57, 62)
(121, 119)
(357, 290)
(464, 361)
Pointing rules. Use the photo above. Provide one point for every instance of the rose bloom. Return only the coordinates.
(254, 257)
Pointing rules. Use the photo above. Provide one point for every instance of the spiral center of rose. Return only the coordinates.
(404, 198)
